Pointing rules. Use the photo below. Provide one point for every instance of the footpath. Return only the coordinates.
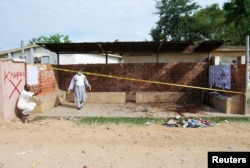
(157, 110)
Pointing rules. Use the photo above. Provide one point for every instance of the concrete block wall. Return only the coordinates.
(139, 97)
(48, 101)
(106, 97)
(228, 105)
(160, 97)
(101, 97)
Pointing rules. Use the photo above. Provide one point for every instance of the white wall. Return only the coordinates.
(30, 53)
(86, 59)
(165, 57)
(40, 51)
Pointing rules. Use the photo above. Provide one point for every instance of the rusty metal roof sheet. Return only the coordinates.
(120, 47)
(208, 46)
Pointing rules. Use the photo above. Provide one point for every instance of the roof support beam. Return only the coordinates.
(104, 51)
(246, 75)
(158, 51)
(58, 58)
(106, 56)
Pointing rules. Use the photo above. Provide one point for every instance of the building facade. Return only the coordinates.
(35, 54)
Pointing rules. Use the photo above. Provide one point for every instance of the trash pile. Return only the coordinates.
(187, 123)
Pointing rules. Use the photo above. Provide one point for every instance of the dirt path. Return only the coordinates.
(56, 143)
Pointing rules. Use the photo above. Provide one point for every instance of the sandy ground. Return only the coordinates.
(59, 143)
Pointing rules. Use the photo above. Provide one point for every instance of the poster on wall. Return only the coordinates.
(220, 76)
(32, 75)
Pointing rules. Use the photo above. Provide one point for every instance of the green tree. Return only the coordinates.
(175, 20)
(237, 13)
(57, 38)
(209, 23)
(181, 20)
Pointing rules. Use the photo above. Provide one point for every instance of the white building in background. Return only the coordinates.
(89, 59)
(31, 54)
(36, 54)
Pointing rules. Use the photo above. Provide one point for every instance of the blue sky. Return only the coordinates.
(81, 20)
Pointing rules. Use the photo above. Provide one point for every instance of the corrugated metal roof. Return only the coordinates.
(231, 48)
(208, 46)
(120, 47)
(18, 49)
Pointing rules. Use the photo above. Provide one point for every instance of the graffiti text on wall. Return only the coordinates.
(14, 78)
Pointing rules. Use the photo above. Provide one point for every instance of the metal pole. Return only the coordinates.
(22, 49)
(246, 75)
(106, 56)
(58, 58)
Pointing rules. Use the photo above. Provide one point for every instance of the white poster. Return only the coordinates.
(32, 75)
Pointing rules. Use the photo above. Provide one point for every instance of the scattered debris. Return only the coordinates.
(149, 123)
(171, 123)
(230, 148)
(23, 152)
(67, 118)
(187, 123)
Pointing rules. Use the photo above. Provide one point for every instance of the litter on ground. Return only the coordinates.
(187, 123)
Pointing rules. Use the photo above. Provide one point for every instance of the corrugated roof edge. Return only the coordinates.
(18, 49)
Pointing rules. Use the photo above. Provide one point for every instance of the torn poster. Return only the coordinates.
(220, 76)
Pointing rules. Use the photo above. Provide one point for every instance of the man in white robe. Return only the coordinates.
(24, 103)
(77, 84)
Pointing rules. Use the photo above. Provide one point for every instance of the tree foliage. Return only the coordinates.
(173, 24)
(183, 20)
(57, 38)
(238, 15)
(209, 23)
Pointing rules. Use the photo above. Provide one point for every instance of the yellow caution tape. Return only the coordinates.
(149, 81)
